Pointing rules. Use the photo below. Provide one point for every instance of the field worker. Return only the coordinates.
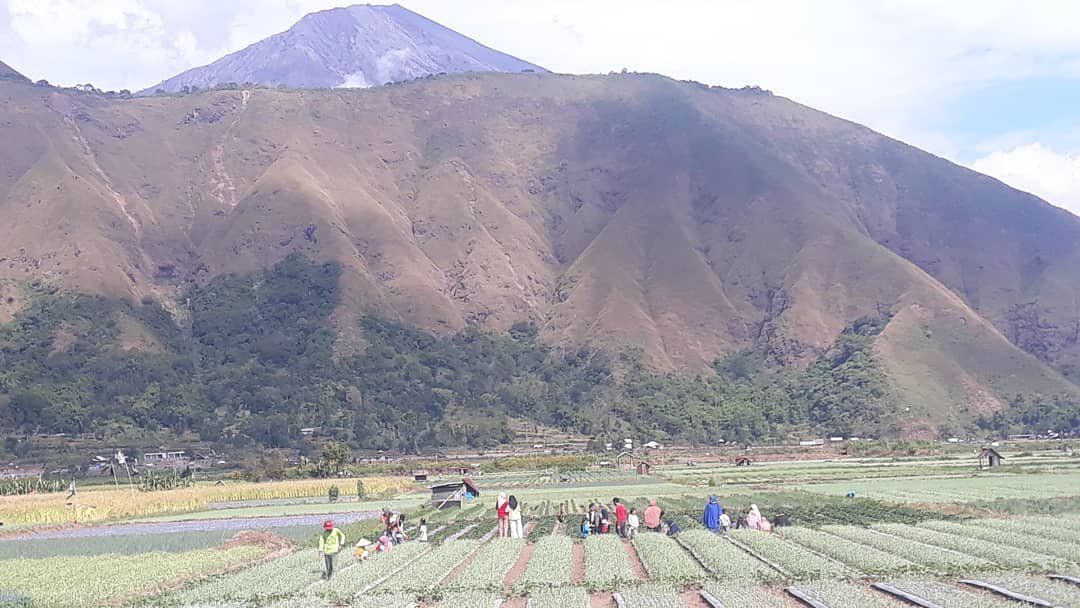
(652, 516)
(632, 524)
(503, 511)
(363, 550)
(711, 518)
(673, 528)
(514, 517)
(423, 531)
(585, 527)
(725, 521)
(753, 518)
(620, 517)
(384, 543)
(330, 543)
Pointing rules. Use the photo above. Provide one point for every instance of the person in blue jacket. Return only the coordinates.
(711, 518)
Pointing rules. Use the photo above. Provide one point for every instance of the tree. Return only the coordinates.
(335, 455)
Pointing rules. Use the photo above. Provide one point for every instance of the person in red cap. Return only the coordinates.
(330, 543)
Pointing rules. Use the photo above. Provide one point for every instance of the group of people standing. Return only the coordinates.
(715, 518)
(509, 513)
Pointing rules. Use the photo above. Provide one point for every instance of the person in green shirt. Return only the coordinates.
(330, 543)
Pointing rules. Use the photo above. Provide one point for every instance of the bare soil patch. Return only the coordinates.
(692, 599)
(635, 561)
(577, 573)
(268, 540)
(518, 569)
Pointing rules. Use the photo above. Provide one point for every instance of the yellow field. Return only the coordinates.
(106, 504)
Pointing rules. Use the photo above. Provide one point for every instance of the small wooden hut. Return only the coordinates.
(454, 494)
(643, 467)
(420, 475)
(989, 458)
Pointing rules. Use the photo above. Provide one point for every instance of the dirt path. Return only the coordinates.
(518, 569)
(577, 556)
(601, 600)
(516, 602)
(635, 561)
(692, 599)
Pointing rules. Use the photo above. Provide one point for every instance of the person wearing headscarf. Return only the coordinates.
(514, 517)
(502, 507)
(711, 518)
(753, 518)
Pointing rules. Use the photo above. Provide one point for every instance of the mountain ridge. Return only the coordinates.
(355, 46)
(9, 73)
(624, 211)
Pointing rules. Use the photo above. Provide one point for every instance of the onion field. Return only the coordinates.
(834, 553)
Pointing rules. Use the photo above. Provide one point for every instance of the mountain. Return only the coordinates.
(358, 46)
(8, 73)
(623, 213)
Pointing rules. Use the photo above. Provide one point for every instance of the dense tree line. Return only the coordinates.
(252, 363)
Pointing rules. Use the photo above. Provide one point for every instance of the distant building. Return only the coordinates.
(420, 475)
(989, 458)
(643, 468)
(453, 495)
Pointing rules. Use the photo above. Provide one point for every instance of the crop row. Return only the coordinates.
(465, 599)
(942, 561)
(435, 566)
(726, 561)
(842, 594)
(94, 580)
(279, 578)
(746, 597)
(559, 597)
(1046, 546)
(860, 557)
(944, 594)
(360, 577)
(665, 560)
(606, 562)
(1035, 526)
(1004, 556)
(551, 562)
(651, 596)
(489, 565)
(797, 561)
(1057, 593)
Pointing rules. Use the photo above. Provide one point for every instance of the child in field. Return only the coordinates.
(632, 524)
(423, 531)
(585, 527)
(725, 521)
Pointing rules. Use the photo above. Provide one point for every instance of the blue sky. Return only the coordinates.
(991, 84)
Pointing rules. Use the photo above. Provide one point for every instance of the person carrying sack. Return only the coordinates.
(330, 543)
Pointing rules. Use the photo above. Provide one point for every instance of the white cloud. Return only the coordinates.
(1049, 174)
(890, 64)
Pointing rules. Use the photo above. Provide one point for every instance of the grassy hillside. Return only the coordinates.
(613, 213)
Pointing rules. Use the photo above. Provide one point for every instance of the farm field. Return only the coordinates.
(836, 549)
(111, 504)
